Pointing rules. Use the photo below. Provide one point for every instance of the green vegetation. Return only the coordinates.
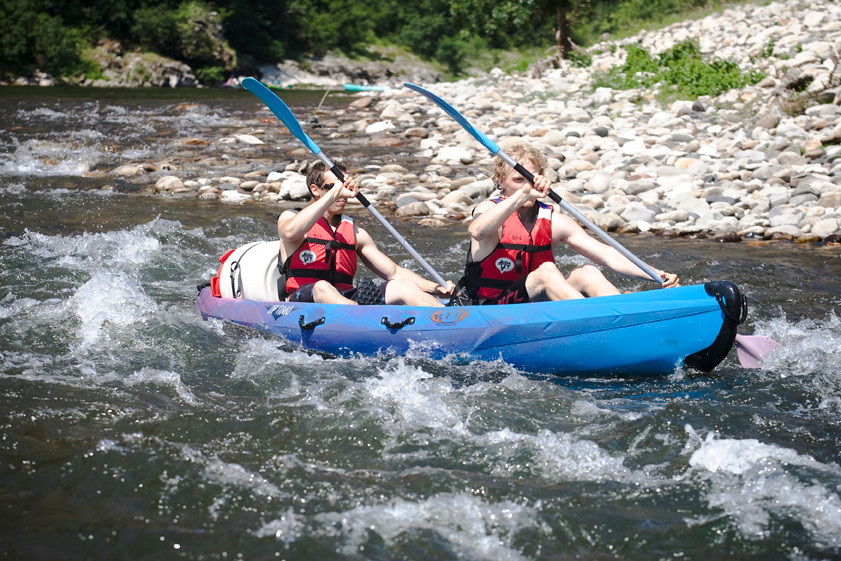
(680, 72)
(218, 38)
(32, 40)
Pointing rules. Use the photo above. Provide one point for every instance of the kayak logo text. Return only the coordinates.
(503, 265)
(280, 310)
(449, 315)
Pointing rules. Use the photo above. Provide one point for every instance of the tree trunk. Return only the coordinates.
(562, 38)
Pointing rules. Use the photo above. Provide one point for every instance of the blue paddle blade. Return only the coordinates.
(281, 111)
(451, 111)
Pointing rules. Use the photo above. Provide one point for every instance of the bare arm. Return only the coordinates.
(486, 229)
(386, 268)
(292, 227)
(569, 231)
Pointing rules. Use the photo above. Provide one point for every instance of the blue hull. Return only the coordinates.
(643, 333)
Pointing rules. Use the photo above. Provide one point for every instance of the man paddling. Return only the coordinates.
(513, 238)
(319, 247)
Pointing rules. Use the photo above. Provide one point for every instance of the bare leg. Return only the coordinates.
(548, 283)
(590, 281)
(325, 293)
(407, 293)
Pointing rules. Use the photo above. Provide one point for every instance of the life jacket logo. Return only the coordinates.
(307, 257)
(504, 265)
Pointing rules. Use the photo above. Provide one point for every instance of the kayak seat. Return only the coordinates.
(251, 272)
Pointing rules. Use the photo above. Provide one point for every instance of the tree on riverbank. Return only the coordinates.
(216, 40)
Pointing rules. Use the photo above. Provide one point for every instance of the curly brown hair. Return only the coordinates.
(521, 151)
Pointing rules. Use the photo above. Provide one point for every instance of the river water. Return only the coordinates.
(132, 429)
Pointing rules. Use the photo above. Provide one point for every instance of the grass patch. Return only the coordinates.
(678, 73)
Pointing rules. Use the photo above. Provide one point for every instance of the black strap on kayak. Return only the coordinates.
(724, 308)
(235, 267)
(310, 325)
(399, 324)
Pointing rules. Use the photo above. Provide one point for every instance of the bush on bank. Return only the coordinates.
(679, 72)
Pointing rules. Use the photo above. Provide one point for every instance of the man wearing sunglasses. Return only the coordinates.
(319, 247)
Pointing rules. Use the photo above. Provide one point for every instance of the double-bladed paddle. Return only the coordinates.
(749, 348)
(282, 112)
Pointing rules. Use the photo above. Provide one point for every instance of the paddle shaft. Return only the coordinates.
(584, 220)
(282, 112)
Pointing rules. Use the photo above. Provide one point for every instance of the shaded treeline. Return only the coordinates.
(56, 36)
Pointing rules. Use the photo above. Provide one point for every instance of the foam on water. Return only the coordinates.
(287, 528)
(44, 158)
(43, 114)
(810, 357)
(414, 400)
(220, 481)
(75, 142)
(473, 527)
(811, 344)
(411, 402)
(119, 250)
(286, 374)
(15, 189)
(109, 298)
(97, 312)
(552, 456)
(162, 378)
(752, 482)
(229, 474)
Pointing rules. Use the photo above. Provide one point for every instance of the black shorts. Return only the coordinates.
(304, 294)
(516, 293)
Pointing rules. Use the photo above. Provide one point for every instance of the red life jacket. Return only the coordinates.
(324, 255)
(518, 253)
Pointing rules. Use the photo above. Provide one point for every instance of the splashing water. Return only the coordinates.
(130, 425)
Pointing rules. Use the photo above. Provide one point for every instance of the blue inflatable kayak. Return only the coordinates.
(642, 333)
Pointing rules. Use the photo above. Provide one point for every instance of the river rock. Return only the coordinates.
(826, 227)
(459, 198)
(294, 188)
(478, 190)
(168, 183)
(234, 197)
(248, 139)
(418, 208)
(128, 170)
(378, 127)
(830, 200)
(635, 212)
(454, 155)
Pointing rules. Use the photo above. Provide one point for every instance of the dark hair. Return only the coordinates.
(315, 175)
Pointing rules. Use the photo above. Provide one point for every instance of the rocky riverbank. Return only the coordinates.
(741, 165)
